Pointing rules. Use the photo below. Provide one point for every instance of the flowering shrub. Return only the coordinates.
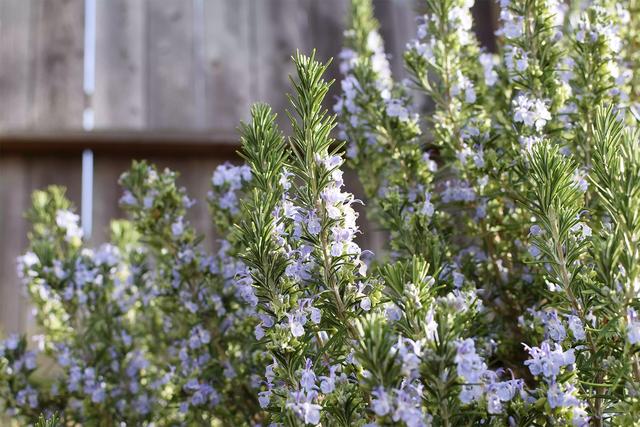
(507, 293)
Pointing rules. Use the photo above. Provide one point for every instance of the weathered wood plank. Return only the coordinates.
(16, 29)
(172, 71)
(227, 62)
(14, 197)
(173, 64)
(281, 28)
(485, 22)
(119, 101)
(130, 143)
(107, 192)
(58, 50)
(328, 22)
(398, 25)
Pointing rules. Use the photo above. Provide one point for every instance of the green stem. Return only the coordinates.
(566, 279)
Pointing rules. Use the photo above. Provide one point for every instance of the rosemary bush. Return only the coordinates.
(508, 186)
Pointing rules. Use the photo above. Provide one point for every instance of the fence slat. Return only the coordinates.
(14, 196)
(329, 19)
(227, 62)
(281, 27)
(16, 26)
(172, 71)
(119, 101)
(397, 26)
(58, 62)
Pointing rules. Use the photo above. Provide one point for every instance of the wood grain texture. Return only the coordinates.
(14, 198)
(398, 26)
(182, 65)
(16, 95)
(328, 22)
(172, 73)
(227, 62)
(119, 101)
(58, 31)
(107, 171)
(280, 28)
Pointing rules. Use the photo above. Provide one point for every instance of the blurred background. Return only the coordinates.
(88, 85)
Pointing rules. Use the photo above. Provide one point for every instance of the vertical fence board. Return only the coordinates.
(16, 28)
(106, 194)
(397, 26)
(14, 196)
(59, 48)
(281, 27)
(171, 88)
(175, 64)
(328, 22)
(228, 51)
(485, 22)
(119, 99)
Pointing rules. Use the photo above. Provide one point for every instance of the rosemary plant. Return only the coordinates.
(508, 185)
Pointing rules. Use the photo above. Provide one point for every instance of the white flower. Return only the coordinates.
(464, 85)
(532, 113)
(582, 230)
(177, 228)
(469, 364)
(128, 199)
(427, 207)
(258, 332)
(458, 279)
(315, 314)
(423, 49)
(308, 377)
(68, 221)
(304, 407)
(535, 230)
(12, 342)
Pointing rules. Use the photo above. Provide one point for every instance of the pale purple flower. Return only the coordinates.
(296, 324)
(547, 360)
(264, 397)
(576, 328)
(633, 327)
(380, 404)
(308, 377)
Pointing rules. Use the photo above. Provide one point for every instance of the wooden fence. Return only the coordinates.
(173, 78)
